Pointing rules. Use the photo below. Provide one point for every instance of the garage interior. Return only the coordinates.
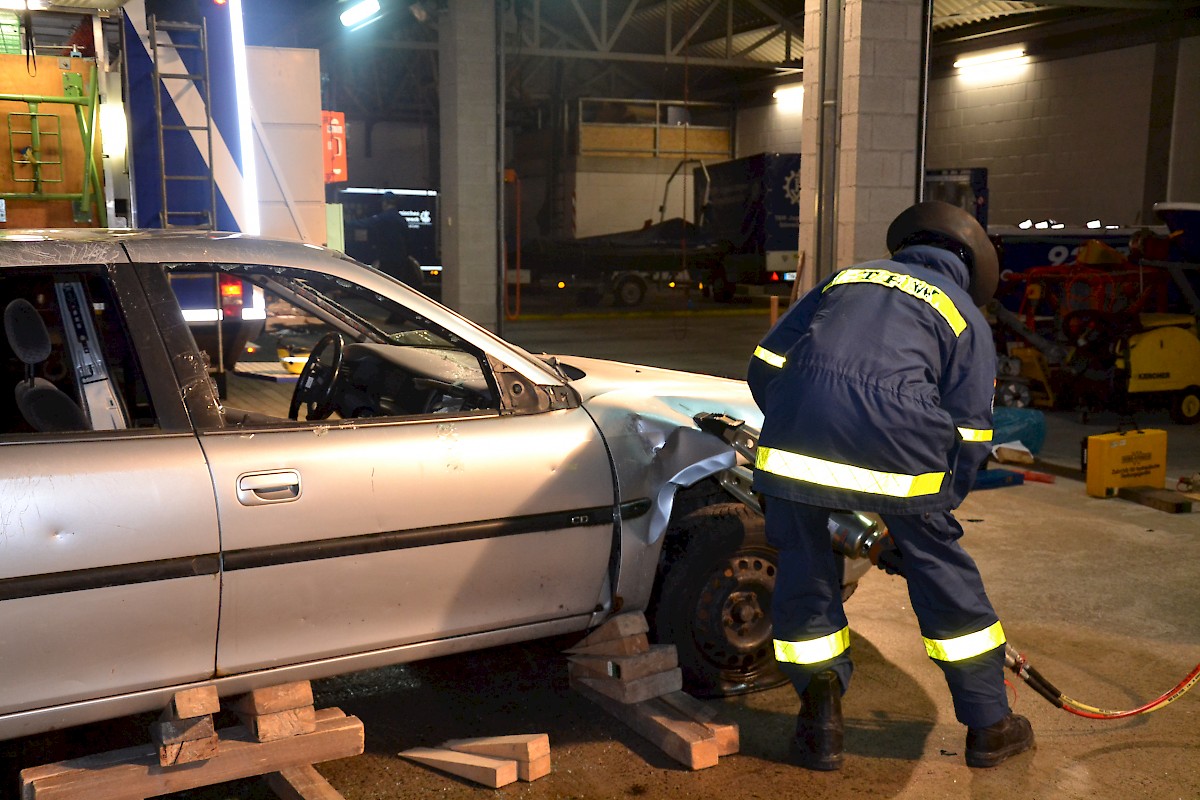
(527, 121)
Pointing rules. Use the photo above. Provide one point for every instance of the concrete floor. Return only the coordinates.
(1101, 595)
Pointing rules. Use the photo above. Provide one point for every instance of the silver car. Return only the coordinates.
(236, 461)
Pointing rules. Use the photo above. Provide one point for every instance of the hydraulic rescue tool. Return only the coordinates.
(856, 535)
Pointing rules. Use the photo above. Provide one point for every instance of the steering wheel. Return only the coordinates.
(314, 388)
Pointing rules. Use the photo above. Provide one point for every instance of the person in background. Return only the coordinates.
(876, 389)
(387, 242)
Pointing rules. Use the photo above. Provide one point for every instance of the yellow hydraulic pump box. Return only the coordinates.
(1134, 458)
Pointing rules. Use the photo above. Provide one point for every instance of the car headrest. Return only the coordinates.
(27, 334)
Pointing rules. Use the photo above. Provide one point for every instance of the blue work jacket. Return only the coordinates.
(877, 389)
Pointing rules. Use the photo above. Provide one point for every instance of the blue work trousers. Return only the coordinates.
(944, 587)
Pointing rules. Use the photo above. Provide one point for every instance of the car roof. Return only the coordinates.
(36, 247)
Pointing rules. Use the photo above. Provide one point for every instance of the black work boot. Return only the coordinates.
(987, 747)
(818, 740)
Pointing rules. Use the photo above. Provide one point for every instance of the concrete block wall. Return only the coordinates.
(767, 129)
(1063, 139)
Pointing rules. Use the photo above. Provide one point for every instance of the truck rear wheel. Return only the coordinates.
(629, 291)
(1185, 408)
(714, 603)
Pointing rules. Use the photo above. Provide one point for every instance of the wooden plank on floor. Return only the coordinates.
(684, 740)
(518, 746)
(134, 772)
(493, 772)
(301, 783)
(1161, 499)
(532, 770)
(727, 733)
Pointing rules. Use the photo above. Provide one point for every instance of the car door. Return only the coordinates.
(410, 515)
(109, 557)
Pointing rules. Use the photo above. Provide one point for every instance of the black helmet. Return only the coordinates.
(936, 217)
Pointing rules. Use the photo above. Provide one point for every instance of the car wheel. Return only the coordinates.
(715, 600)
(1185, 407)
(629, 291)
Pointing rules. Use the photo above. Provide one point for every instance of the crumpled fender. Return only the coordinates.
(688, 455)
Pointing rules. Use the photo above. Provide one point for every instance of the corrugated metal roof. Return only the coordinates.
(756, 34)
(949, 14)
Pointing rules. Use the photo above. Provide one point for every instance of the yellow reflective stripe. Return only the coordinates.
(774, 359)
(966, 646)
(975, 434)
(845, 476)
(916, 287)
(813, 651)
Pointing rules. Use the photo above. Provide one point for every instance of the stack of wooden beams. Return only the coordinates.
(616, 667)
(493, 761)
(279, 739)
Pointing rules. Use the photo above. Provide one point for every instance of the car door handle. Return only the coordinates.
(263, 488)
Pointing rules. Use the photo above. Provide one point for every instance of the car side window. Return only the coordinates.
(287, 346)
(69, 364)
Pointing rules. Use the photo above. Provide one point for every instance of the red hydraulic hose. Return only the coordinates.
(1020, 665)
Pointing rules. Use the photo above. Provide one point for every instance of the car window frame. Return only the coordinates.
(515, 393)
(145, 346)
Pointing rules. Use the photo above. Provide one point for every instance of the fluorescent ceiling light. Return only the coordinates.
(1094, 224)
(1026, 225)
(251, 222)
(789, 98)
(359, 13)
(990, 58)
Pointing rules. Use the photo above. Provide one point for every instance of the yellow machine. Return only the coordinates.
(1164, 359)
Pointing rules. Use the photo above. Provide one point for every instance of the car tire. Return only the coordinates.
(714, 602)
(1185, 406)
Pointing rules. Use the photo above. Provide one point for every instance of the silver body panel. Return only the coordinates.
(319, 548)
(102, 508)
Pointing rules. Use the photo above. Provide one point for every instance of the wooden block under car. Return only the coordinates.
(683, 739)
(493, 772)
(634, 691)
(627, 646)
(194, 702)
(617, 627)
(280, 724)
(272, 699)
(659, 658)
(184, 741)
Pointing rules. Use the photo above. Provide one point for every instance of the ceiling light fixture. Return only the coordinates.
(789, 98)
(360, 14)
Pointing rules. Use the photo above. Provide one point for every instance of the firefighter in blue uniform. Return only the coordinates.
(877, 393)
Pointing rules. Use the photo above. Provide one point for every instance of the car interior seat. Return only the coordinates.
(43, 405)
